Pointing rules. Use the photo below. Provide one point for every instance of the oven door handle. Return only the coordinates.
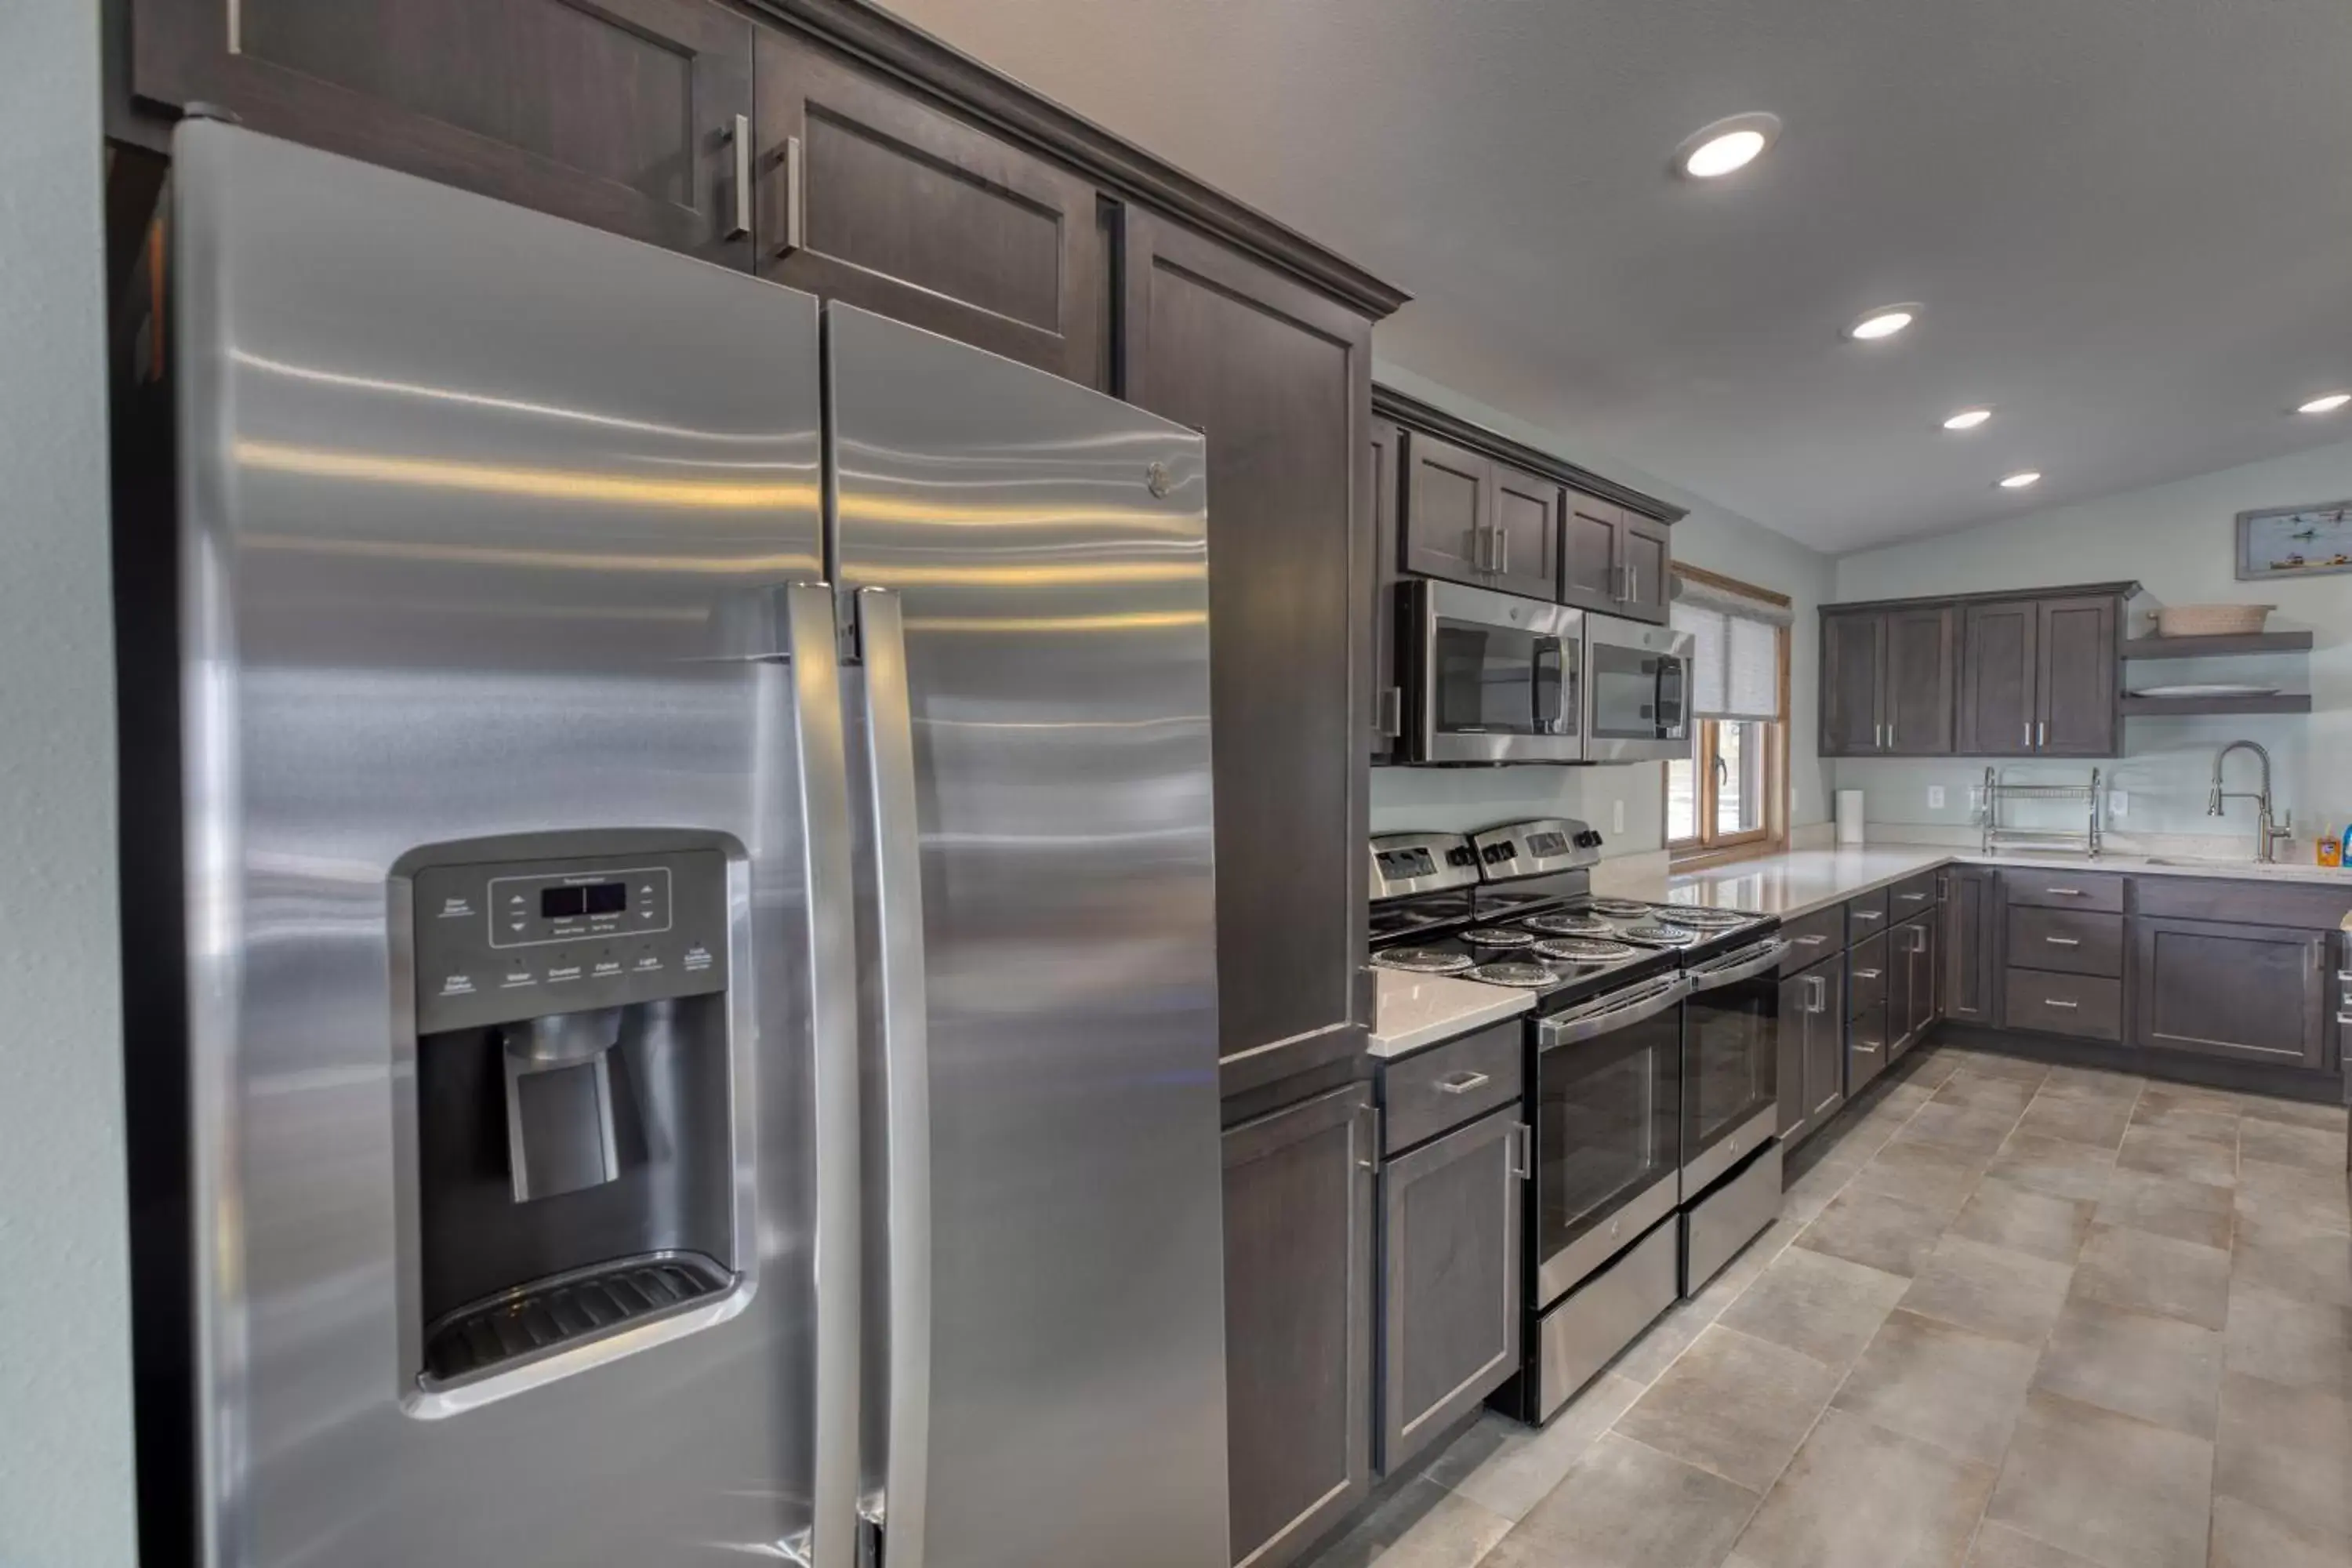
(1740, 966)
(1617, 1012)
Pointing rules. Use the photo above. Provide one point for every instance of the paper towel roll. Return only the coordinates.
(1849, 817)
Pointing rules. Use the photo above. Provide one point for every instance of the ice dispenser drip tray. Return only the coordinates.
(550, 1313)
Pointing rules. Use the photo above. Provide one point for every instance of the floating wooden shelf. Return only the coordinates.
(2190, 707)
(2217, 648)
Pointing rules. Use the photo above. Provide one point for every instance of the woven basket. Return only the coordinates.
(2211, 620)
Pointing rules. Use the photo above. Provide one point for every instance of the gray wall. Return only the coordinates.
(2178, 541)
(1711, 537)
(65, 1375)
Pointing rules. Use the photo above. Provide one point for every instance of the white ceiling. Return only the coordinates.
(2130, 221)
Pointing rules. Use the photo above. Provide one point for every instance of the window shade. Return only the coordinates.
(1735, 650)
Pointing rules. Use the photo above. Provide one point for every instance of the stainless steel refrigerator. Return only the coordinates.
(696, 911)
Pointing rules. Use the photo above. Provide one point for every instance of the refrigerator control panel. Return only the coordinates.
(500, 940)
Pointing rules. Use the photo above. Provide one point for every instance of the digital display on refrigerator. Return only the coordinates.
(596, 898)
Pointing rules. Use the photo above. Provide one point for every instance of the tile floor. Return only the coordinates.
(2012, 1317)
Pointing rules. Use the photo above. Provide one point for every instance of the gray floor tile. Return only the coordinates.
(2059, 1166)
(2093, 1084)
(1808, 1194)
(2308, 1264)
(1733, 1405)
(1629, 1506)
(1928, 1069)
(1506, 1468)
(1661, 1343)
(2304, 1148)
(1858, 1496)
(1999, 1546)
(2004, 1215)
(2326, 1117)
(2116, 1490)
(2101, 1123)
(2151, 1273)
(1733, 1279)
(1423, 1526)
(2189, 1155)
(1980, 1091)
(1992, 1290)
(1975, 1132)
(2288, 1450)
(2167, 1205)
(1811, 1301)
(1992, 1064)
(2302, 1344)
(1954, 1387)
(1878, 1231)
(1926, 1175)
(2159, 1369)
(2246, 1536)
(2172, 1108)
(2319, 1200)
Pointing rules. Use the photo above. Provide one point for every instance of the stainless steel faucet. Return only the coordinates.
(2267, 833)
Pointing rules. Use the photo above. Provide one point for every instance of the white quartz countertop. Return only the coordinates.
(1417, 1010)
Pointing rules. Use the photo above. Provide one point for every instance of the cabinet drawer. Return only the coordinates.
(2065, 889)
(2313, 908)
(1812, 938)
(2065, 1005)
(2067, 940)
(1911, 898)
(1866, 993)
(1450, 1084)
(1867, 915)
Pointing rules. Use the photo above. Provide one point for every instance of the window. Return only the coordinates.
(1728, 798)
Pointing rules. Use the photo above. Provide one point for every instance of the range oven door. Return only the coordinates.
(1639, 677)
(1493, 678)
(1608, 1093)
(1731, 1061)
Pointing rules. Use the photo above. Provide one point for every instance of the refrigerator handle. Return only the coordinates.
(906, 1057)
(819, 736)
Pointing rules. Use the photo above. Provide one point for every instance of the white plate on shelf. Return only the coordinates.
(2222, 689)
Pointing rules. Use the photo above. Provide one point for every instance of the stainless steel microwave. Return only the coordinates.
(1638, 681)
(1490, 678)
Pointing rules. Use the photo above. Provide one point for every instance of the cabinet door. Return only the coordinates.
(1791, 1065)
(1824, 1040)
(1853, 665)
(1916, 940)
(1527, 534)
(1999, 645)
(1645, 548)
(2077, 660)
(1449, 511)
(1280, 377)
(1918, 695)
(1388, 707)
(2255, 993)
(870, 194)
(620, 114)
(1298, 1321)
(1971, 942)
(1450, 1257)
(1588, 553)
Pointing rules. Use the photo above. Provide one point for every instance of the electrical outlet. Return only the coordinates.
(1935, 798)
(1616, 816)
(2118, 803)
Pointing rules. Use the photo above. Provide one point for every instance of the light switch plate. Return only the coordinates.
(1935, 798)
(2118, 802)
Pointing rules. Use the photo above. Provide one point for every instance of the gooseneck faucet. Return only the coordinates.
(2267, 833)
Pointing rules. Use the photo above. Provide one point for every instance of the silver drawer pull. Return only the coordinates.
(1461, 1082)
(2065, 892)
(1868, 973)
(1870, 914)
(2053, 1002)
(1913, 898)
(2064, 941)
(1862, 1050)
(1811, 940)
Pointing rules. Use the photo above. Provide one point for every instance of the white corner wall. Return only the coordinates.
(1456, 799)
(65, 1358)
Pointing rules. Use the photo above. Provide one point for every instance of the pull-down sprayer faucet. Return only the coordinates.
(2266, 833)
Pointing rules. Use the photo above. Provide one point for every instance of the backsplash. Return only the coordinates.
(1463, 800)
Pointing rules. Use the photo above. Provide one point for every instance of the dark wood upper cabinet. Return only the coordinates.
(1298, 1321)
(1526, 534)
(869, 194)
(1922, 651)
(2001, 644)
(2250, 991)
(1646, 550)
(622, 114)
(1388, 713)
(1449, 511)
(2077, 664)
(1279, 377)
(1854, 667)
(1589, 529)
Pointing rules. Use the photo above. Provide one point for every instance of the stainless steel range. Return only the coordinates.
(1640, 1114)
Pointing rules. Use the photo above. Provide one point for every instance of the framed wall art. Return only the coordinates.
(2294, 541)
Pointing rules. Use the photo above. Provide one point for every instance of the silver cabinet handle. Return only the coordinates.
(1523, 1151)
(740, 137)
(1868, 973)
(1862, 1050)
(1818, 1002)
(1810, 940)
(906, 1063)
(1633, 583)
(2343, 1017)
(2042, 733)
(1867, 914)
(2028, 744)
(1503, 547)
(2064, 941)
(1890, 734)
(1370, 1159)
(2064, 892)
(818, 733)
(2053, 1002)
(1913, 898)
(795, 203)
(1463, 1083)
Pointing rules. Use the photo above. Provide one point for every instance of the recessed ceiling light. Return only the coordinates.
(1884, 323)
(1968, 419)
(2019, 482)
(1714, 151)
(2327, 405)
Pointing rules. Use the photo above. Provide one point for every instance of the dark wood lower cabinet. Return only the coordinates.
(1450, 1295)
(1298, 1321)
(1813, 1019)
(2253, 993)
(1971, 946)
(1911, 984)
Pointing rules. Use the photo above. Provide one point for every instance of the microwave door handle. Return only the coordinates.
(905, 1066)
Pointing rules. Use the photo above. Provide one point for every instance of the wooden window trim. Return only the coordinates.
(1709, 849)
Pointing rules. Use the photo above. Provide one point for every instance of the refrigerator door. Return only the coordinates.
(470, 498)
(1030, 564)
